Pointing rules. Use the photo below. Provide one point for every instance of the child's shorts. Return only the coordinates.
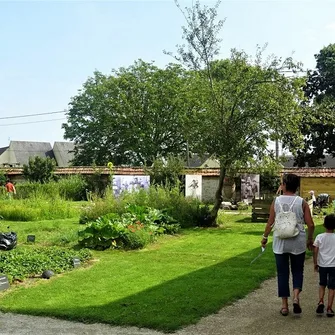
(327, 277)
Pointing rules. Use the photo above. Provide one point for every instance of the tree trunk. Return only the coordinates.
(218, 196)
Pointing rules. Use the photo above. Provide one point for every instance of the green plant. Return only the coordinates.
(34, 209)
(132, 229)
(242, 206)
(73, 187)
(166, 172)
(21, 263)
(103, 233)
(39, 169)
(2, 178)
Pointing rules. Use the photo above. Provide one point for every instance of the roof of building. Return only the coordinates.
(2, 150)
(327, 162)
(64, 153)
(23, 150)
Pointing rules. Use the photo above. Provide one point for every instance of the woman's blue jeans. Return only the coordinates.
(283, 262)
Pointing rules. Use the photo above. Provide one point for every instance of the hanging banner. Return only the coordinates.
(249, 187)
(193, 186)
(129, 183)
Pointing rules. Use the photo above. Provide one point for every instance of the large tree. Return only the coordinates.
(319, 123)
(245, 102)
(133, 116)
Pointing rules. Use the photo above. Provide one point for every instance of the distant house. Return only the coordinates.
(206, 161)
(327, 162)
(64, 153)
(18, 153)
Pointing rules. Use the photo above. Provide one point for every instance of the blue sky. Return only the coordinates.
(49, 48)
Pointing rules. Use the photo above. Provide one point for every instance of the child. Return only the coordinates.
(324, 263)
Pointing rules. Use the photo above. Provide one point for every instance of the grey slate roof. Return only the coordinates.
(21, 151)
(2, 150)
(63, 152)
(327, 162)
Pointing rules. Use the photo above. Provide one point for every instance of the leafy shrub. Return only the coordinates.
(22, 263)
(2, 178)
(242, 206)
(39, 169)
(103, 233)
(188, 212)
(130, 230)
(166, 172)
(137, 239)
(73, 188)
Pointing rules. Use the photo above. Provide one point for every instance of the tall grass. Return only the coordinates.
(187, 211)
(69, 188)
(37, 208)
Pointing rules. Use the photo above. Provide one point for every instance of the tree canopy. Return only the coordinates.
(318, 125)
(245, 102)
(133, 116)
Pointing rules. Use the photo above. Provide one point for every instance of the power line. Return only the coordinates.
(15, 124)
(28, 115)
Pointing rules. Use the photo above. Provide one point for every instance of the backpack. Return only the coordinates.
(286, 222)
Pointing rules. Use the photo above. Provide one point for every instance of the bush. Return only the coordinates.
(242, 206)
(187, 212)
(72, 188)
(131, 230)
(39, 169)
(22, 263)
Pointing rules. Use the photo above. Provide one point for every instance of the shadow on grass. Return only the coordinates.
(249, 220)
(173, 304)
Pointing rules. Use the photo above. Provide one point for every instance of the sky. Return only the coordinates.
(48, 49)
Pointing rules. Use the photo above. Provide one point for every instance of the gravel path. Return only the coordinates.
(257, 313)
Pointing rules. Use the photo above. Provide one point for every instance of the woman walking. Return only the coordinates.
(290, 251)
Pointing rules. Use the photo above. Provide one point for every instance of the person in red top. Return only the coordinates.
(10, 188)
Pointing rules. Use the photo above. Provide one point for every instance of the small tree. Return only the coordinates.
(245, 102)
(39, 169)
(166, 172)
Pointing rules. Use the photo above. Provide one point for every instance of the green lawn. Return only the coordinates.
(168, 285)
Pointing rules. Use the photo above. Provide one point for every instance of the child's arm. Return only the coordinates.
(315, 258)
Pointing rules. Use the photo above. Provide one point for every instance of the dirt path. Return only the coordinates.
(258, 313)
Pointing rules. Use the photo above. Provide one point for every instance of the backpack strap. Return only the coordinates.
(291, 206)
(279, 204)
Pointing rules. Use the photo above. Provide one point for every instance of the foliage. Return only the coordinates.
(47, 191)
(133, 229)
(170, 285)
(21, 263)
(242, 206)
(39, 169)
(188, 212)
(319, 123)
(35, 209)
(132, 116)
(69, 188)
(166, 171)
(95, 183)
(269, 183)
(73, 187)
(245, 102)
(2, 178)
